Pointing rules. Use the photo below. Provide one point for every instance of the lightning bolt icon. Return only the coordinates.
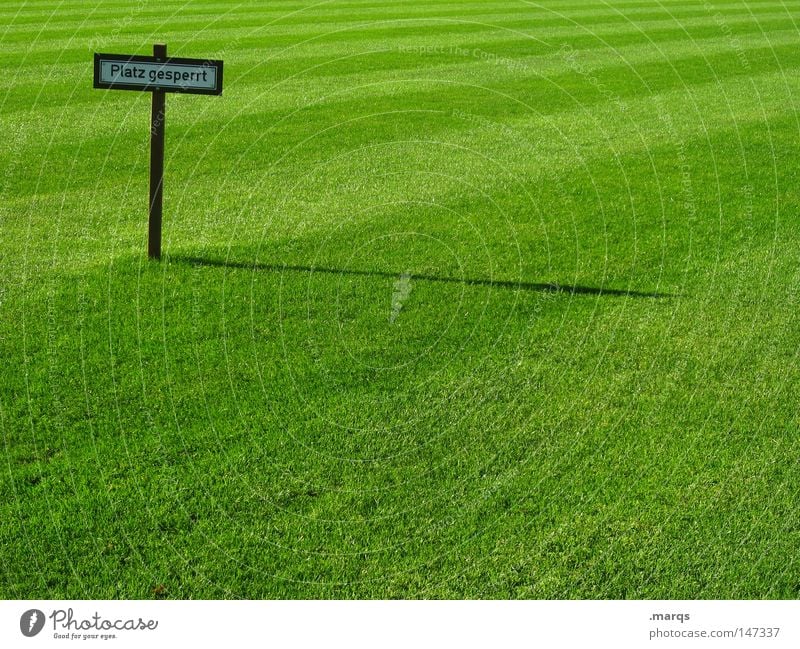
(32, 620)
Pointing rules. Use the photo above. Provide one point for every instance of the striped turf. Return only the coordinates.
(460, 299)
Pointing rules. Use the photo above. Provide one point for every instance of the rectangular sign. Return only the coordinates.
(126, 72)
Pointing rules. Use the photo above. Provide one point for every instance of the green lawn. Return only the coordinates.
(486, 299)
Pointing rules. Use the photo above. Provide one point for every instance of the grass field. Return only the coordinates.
(458, 299)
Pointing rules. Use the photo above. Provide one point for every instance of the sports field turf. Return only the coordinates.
(459, 299)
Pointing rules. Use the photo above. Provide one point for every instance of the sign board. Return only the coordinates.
(158, 74)
(150, 73)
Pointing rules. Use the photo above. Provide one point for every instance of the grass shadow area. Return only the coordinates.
(187, 432)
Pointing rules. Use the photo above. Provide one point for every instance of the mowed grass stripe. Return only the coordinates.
(522, 98)
(358, 30)
(278, 63)
(535, 218)
(502, 67)
(110, 10)
(483, 136)
(516, 167)
(283, 62)
(333, 14)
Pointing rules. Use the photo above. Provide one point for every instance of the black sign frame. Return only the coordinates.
(151, 87)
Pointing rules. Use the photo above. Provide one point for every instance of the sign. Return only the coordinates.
(158, 74)
(128, 72)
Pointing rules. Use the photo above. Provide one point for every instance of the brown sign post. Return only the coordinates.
(158, 74)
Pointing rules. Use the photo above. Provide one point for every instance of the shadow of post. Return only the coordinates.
(573, 289)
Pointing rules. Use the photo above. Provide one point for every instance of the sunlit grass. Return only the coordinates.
(457, 300)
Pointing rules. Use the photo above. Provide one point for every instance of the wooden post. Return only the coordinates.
(157, 119)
